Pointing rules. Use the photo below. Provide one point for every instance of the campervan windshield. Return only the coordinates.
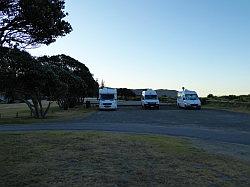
(191, 96)
(150, 96)
(107, 96)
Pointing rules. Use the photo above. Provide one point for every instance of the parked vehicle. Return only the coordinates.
(188, 99)
(149, 99)
(107, 98)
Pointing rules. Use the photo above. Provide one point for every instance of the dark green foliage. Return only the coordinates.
(203, 100)
(243, 98)
(239, 103)
(210, 96)
(124, 93)
(166, 99)
(75, 75)
(24, 78)
(230, 98)
(31, 22)
(74, 87)
(59, 78)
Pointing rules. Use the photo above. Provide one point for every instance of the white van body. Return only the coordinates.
(149, 99)
(188, 99)
(107, 98)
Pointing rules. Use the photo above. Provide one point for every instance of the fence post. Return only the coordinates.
(88, 104)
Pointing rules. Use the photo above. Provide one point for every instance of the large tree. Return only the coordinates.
(58, 78)
(78, 69)
(28, 23)
(74, 91)
(30, 81)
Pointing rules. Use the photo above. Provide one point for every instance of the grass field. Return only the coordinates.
(19, 113)
(105, 159)
(235, 107)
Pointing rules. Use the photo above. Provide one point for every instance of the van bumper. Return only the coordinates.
(151, 105)
(194, 106)
(107, 107)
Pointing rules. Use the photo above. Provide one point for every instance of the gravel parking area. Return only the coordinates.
(170, 115)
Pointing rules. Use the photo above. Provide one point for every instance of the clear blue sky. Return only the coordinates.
(203, 45)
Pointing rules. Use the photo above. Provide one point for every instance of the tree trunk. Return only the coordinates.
(63, 103)
(31, 107)
(41, 113)
(47, 109)
(36, 108)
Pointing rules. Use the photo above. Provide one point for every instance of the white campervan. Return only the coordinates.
(188, 99)
(149, 99)
(107, 98)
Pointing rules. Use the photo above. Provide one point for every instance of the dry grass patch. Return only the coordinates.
(234, 107)
(20, 114)
(105, 159)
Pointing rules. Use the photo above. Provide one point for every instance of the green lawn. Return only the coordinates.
(19, 113)
(105, 159)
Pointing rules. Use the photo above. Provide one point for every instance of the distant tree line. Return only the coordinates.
(237, 98)
(226, 98)
(125, 93)
(61, 78)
